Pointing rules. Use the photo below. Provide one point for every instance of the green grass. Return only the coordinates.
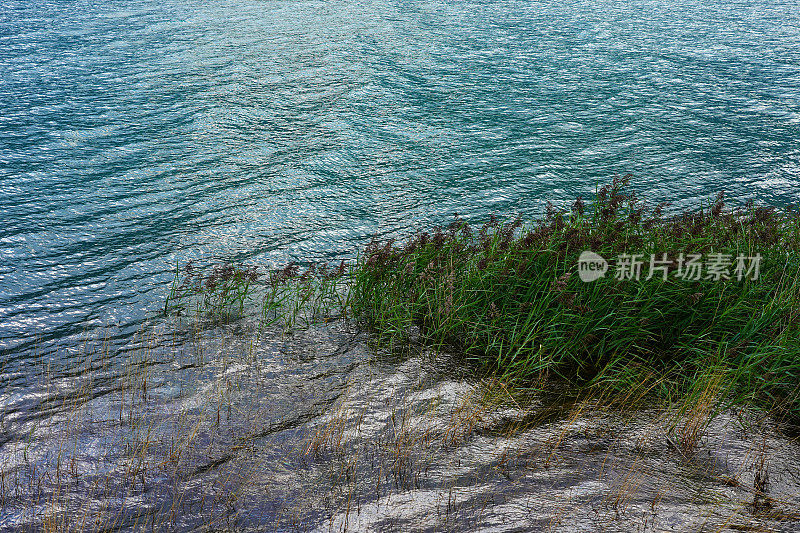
(509, 299)
(226, 293)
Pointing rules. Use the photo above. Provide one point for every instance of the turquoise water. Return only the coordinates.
(138, 134)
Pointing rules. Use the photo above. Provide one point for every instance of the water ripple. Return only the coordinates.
(136, 134)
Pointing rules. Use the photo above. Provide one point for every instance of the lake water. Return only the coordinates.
(138, 134)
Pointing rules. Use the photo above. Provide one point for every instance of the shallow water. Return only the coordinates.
(320, 431)
(137, 134)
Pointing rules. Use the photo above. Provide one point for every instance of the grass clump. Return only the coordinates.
(509, 298)
(222, 294)
(226, 293)
(701, 308)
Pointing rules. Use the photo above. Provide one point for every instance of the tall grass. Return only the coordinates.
(227, 293)
(508, 297)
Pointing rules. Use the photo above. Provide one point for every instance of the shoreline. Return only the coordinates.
(355, 396)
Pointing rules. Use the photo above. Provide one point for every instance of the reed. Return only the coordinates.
(227, 293)
(508, 298)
